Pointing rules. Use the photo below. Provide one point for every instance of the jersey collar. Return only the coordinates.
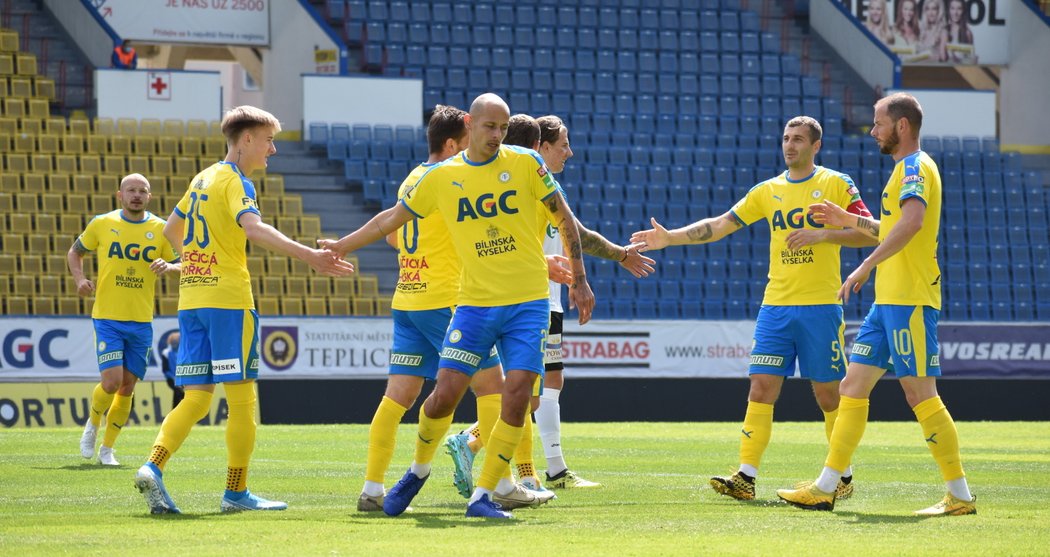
(472, 163)
(145, 217)
(235, 168)
(787, 176)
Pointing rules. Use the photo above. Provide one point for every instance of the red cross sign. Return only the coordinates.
(158, 86)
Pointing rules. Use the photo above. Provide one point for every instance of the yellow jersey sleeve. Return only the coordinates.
(911, 276)
(125, 285)
(428, 267)
(214, 258)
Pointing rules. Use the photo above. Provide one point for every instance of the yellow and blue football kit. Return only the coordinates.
(900, 331)
(220, 329)
(801, 317)
(491, 211)
(123, 309)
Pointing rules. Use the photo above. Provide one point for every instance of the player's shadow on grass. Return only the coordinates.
(88, 466)
(871, 518)
(177, 517)
(437, 519)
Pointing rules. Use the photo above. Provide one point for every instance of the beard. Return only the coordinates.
(890, 145)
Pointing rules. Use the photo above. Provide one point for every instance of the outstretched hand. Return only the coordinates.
(328, 262)
(639, 265)
(827, 212)
(657, 238)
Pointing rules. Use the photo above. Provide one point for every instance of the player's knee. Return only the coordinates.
(764, 389)
(534, 404)
(110, 383)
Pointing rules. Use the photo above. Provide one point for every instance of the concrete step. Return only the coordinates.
(286, 163)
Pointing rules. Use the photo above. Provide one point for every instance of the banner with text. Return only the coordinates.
(234, 22)
(62, 349)
(939, 31)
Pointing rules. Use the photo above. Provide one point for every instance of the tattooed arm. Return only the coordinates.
(700, 232)
(627, 256)
(829, 213)
(560, 215)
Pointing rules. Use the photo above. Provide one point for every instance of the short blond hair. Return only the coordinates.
(243, 118)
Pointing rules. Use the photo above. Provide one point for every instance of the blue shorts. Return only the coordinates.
(123, 343)
(217, 346)
(519, 331)
(810, 334)
(418, 336)
(899, 338)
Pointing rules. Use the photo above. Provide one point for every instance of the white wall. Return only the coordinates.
(126, 94)
(868, 57)
(231, 79)
(362, 100)
(1024, 85)
(293, 38)
(957, 113)
(85, 30)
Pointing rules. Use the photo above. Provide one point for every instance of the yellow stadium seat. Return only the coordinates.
(288, 225)
(79, 127)
(277, 265)
(14, 243)
(162, 166)
(45, 87)
(43, 305)
(186, 166)
(55, 125)
(296, 286)
(20, 222)
(86, 304)
(215, 147)
(270, 206)
(26, 202)
(18, 306)
(38, 243)
(102, 203)
(84, 183)
(273, 286)
(66, 164)
(59, 183)
(8, 264)
(338, 306)
(368, 285)
(98, 144)
(192, 146)
(316, 306)
(34, 183)
(145, 145)
(168, 146)
(68, 305)
(72, 224)
(197, 128)
(114, 164)
(24, 143)
(343, 287)
(4, 92)
(363, 306)
(103, 126)
(120, 144)
(31, 126)
(7, 64)
(14, 107)
(108, 183)
(127, 126)
(291, 306)
(149, 126)
(267, 305)
(55, 264)
(38, 108)
(72, 144)
(215, 128)
(169, 305)
(300, 268)
(138, 164)
(383, 307)
(42, 163)
(256, 266)
(274, 185)
(91, 164)
(6, 143)
(10, 183)
(173, 128)
(50, 285)
(77, 204)
(292, 204)
(6, 203)
(310, 226)
(5, 286)
(46, 222)
(21, 87)
(8, 40)
(48, 143)
(26, 63)
(24, 286)
(320, 286)
(16, 162)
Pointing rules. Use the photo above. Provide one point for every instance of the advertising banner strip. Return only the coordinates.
(62, 349)
(233, 22)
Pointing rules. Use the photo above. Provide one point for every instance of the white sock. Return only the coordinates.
(504, 486)
(960, 489)
(828, 481)
(470, 436)
(373, 489)
(849, 472)
(749, 470)
(420, 470)
(548, 422)
(478, 492)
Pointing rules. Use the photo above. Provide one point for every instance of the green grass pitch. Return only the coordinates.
(655, 499)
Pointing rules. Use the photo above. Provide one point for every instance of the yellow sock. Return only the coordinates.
(382, 438)
(488, 413)
(849, 428)
(941, 436)
(523, 454)
(177, 425)
(100, 402)
(754, 436)
(829, 422)
(117, 417)
(240, 433)
(431, 432)
(502, 442)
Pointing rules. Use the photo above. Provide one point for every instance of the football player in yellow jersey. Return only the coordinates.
(211, 227)
(132, 254)
(426, 293)
(800, 318)
(900, 331)
(487, 196)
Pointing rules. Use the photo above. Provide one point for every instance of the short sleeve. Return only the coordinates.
(241, 198)
(420, 198)
(89, 238)
(913, 181)
(850, 197)
(749, 209)
(183, 206)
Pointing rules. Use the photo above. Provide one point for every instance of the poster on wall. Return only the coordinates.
(931, 32)
(233, 22)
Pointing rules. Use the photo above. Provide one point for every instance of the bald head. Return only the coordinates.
(487, 123)
(134, 179)
(134, 195)
(486, 102)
